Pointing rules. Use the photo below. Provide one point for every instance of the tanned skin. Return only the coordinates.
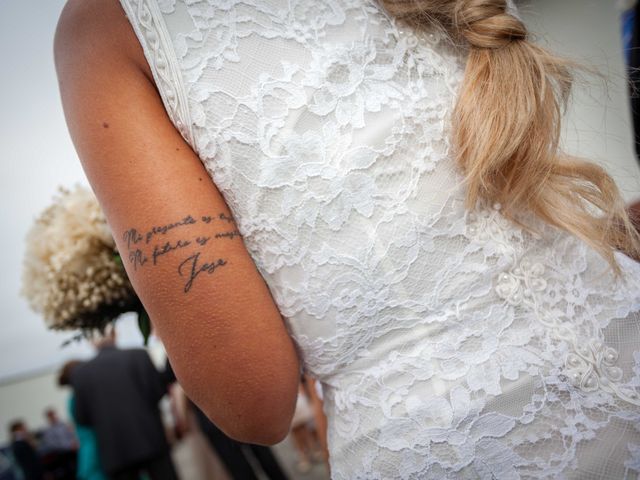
(179, 242)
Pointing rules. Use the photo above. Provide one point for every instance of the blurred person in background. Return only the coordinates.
(314, 389)
(88, 460)
(232, 453)
(24, 451)
(58, 435)
(8, 469)
(58, 447)
(303, 431)
(117, 395)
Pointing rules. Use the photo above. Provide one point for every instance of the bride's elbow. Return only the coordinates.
(255, 409)
(267, 433)
(250, 393)
(265, 423)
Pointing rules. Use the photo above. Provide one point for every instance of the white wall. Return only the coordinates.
(598, 125)
(27, 398)
(27, 395)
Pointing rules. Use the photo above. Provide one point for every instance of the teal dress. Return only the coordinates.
(88, 459)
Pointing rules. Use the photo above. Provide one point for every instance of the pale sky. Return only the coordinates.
(38, 156)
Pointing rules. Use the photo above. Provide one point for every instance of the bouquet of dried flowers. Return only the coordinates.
(73, 274)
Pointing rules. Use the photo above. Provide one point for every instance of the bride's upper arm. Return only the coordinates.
(207, 301)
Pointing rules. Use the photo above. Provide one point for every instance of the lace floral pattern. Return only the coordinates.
(450, 344)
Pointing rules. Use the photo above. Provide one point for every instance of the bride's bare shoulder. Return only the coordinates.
(96, 34)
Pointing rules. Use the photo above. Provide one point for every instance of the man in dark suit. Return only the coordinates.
(117, 395)
(24, 452)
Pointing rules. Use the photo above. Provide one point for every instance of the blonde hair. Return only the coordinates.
(506, 126)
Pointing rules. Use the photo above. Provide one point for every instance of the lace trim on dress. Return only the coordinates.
(590, 364)
(149, 25)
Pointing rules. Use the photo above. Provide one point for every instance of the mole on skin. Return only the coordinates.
(105, 125)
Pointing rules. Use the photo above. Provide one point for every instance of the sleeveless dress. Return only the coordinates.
(449, 344)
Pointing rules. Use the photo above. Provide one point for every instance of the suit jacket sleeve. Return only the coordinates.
(152, 380)
(80, 408)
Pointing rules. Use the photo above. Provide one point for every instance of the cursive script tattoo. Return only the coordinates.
(131, 236)
(194, 269)
(226, 218)
(188, 220)
(229, 235)
(168, 247)
(137, 258)
(202, 240)
(147, 247)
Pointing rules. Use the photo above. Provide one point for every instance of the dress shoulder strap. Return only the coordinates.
(148, 22)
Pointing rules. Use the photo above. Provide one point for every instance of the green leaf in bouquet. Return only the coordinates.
(144, 324)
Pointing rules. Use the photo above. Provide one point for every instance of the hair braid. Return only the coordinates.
(506, 126)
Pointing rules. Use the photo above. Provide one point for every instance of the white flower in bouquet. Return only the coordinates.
(72, 273)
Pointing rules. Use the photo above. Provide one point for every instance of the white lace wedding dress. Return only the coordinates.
(449, 344)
